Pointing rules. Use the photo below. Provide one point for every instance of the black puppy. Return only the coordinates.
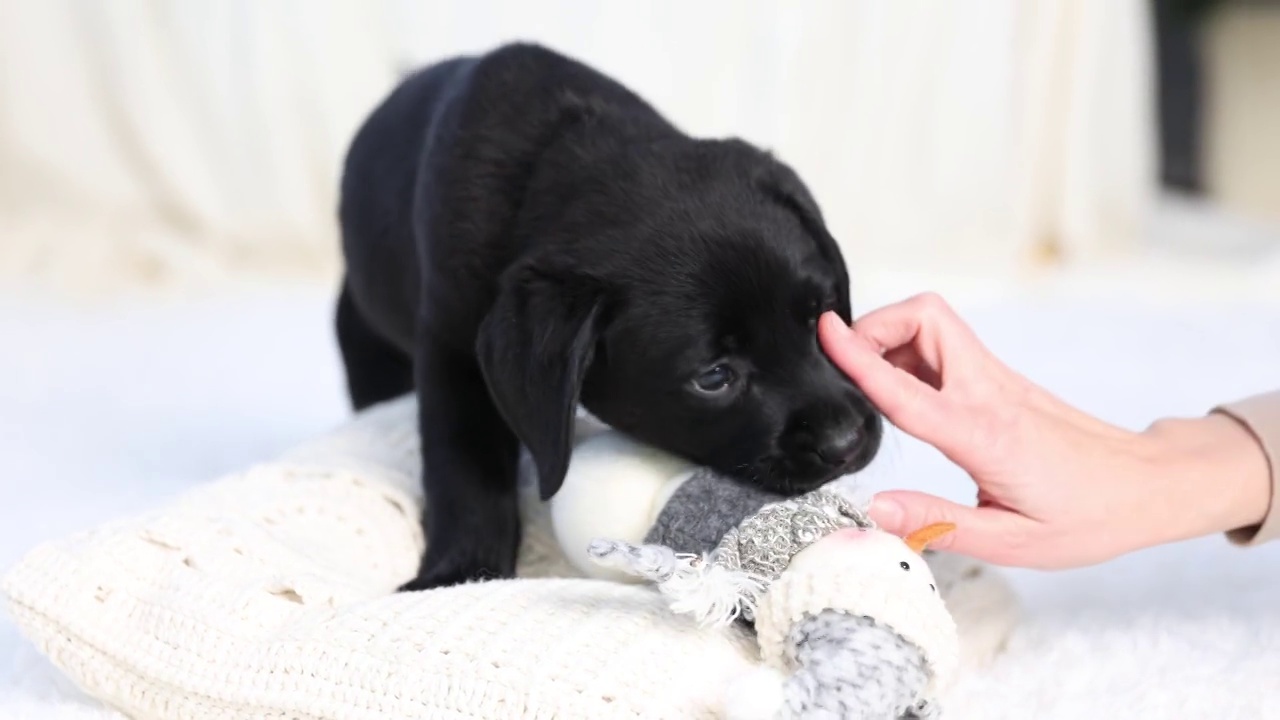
(523, 234)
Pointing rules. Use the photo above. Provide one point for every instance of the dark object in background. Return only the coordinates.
(1179, 30)
(1181, 90)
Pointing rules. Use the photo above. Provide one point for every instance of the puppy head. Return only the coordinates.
(690, 326)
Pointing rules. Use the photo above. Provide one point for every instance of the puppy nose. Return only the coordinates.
(840, 445)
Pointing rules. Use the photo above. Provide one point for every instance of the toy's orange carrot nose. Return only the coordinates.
(921, 538)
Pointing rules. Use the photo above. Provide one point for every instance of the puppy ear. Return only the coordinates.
(781, 183)
(534, 348)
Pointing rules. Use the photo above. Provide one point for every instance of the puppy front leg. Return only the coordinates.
(469, 462)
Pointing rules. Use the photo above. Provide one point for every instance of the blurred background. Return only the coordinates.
(1095, 183)
(154, 143)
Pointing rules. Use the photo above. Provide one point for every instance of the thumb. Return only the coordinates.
(983, 533)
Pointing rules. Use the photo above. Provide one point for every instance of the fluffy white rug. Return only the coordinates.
(111, 410)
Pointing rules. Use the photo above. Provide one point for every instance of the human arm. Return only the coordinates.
(1260, 416)
(1056, 487)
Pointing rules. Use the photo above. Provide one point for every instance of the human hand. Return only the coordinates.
(1056, 487)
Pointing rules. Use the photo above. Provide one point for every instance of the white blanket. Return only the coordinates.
(108, 412)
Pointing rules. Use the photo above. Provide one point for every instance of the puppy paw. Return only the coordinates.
(459, 564)
(444, 576)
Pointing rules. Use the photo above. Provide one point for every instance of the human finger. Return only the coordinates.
(908, 359)
(904, 400)
(985, 533)
(904, 322)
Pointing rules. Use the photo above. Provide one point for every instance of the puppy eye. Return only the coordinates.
(904, 565)
(818, 306)
(716, 380)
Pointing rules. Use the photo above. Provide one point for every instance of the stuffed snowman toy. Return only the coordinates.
(849, 620)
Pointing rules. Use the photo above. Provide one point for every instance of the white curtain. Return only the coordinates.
(165, 141)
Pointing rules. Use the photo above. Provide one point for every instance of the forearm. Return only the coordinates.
(1260, 417)
(1217, 476)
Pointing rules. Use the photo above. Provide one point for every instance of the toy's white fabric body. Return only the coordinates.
(873, 603)
(269, 593)
(615, 487)
(869, 573)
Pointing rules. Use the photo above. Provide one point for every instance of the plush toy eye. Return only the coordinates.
(931, 587)
(716, 380)
(904, 565)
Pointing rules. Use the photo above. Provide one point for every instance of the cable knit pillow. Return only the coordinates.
(269, 594)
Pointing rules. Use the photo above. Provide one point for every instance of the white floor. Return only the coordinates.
(110, 410)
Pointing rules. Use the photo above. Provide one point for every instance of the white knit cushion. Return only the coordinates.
(269, 594)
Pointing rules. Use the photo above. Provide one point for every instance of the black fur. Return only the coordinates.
(522, 234)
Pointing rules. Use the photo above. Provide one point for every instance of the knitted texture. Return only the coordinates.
(920, 618)
(702, 510)
(270, 594)
(854, 668)
(765, 543)
(851, 615)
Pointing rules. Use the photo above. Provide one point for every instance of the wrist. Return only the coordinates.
(1218, 474)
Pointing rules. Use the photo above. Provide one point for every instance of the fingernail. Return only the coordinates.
(834, 323)
(885, 512)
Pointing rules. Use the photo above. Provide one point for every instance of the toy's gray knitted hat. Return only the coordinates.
(764, 543)
(727, 582)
